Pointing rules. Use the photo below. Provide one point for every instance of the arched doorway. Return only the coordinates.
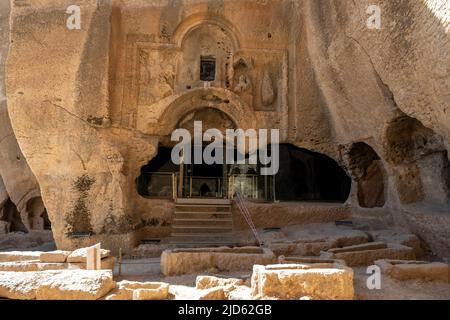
(161, 178)
(420, 162)
(309, 176)
(368, 171)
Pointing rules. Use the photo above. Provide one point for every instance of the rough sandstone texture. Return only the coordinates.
(101, 99)
(296, 281)
(79, 255)
(132, 290)
(367, 254)
(54, 256)
(56, 285)
(415, 270)
(18, 182)
(180, 261)
(208, 282)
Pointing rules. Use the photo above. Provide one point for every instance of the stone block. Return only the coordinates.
(54, 256)
(80, 255)
(295, 281)
(185, 261)
(414, 270)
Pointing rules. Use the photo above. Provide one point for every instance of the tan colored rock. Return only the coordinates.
(418, 270)
(293, 281)
(75, 285)
(185, 261)
(107, 263)
(12, 256)
(160, 292)
(126, 290)
(79, 255)
(360, 247)
(318, 262)
(369, 256)
(54, 256)
(4, 227)
(19, 285)
(207, 282)
(56, 285)
(22, 266)
(214, 293)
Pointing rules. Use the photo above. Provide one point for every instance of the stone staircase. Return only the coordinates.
(202, 222)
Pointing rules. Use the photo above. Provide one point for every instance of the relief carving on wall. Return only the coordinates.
(260, 78)
(156, 77)
(267, 90)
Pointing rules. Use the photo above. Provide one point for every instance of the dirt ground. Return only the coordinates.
(183, 287)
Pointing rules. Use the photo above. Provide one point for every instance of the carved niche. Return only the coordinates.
(260, 78)
(155, 74)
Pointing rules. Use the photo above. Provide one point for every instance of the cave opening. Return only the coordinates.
(368, 171)
(310, 176)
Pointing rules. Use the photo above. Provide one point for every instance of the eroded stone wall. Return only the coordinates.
(101, 99)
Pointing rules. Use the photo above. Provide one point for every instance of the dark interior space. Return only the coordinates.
(310, 176)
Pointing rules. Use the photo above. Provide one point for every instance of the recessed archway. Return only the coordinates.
(420, 161)
(309, 176)
(368, 171)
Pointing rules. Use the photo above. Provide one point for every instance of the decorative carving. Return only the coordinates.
(267, 90)
(243, 85)
(156, 78)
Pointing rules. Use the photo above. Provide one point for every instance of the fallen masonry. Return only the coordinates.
(56, 284)
(186, 261)
(367, 254)
(415, 270)
(297, 281)
(52, 260)
(132, 290)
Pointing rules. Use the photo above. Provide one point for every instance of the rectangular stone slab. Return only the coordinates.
(196, 260)
(368, 257)
(19, 256)
(360, 247)
(293, 282)
(420, 270)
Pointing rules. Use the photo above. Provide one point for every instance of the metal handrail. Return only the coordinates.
(246, 214)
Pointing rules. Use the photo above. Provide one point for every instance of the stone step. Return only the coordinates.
(205, 202)
(197, 228)
(203, 212)
(199, 236)
(201, 220)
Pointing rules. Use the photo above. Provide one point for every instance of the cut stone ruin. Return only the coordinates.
(367, 254)
(297, 281)
(415, 270)
(185, 261)
(53, 260)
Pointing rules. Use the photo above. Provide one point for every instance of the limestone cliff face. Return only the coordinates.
(375, 80)
(18, 181)
(57, 83)
(89, 107)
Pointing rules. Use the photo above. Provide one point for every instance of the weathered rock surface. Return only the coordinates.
(12, 256)
(107, 263)
(56, 285)
(185, 261)
(293, 281)
(207, 282)
(419, 270)
(79, 255)
(367, 254)
(132, 290)
(23, 266)
(54, 256)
